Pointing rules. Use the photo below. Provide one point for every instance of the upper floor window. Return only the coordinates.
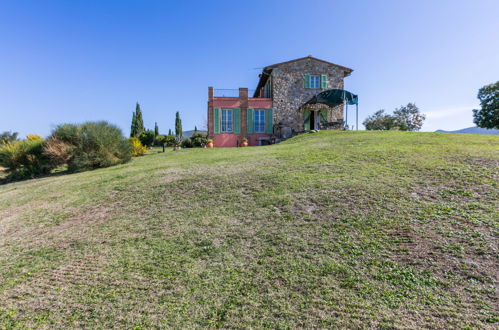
(226, 121)
(267, 90)
(259, 121)
(315, 81)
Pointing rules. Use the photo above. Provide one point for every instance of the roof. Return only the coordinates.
(304, 58)
(266, 70)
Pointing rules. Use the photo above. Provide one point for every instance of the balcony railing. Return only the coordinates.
(218, 92)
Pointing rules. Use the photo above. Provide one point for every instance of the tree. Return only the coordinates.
(137, 126)
(146, 137)
(195, 129)
(7, 136)
(408, 118)
(488, 115)
(405, 118)
(133, 127)
(379, 121)
(139, 122)
(178, 127)
(156, 129)
(170, 132)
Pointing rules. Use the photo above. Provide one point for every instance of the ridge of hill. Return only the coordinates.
(330, 229)
(472, 130)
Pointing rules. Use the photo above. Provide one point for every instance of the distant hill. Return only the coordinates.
(473, 130)
(188, 134)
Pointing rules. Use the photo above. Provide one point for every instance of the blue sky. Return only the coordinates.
(73, 61)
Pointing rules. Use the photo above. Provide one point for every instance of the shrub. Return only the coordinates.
(170, 140)
(8, 137)
(34, 137)
(25, 158)
(146, 138)
(196, 140)
(93, 145)
(137, 148)
(199, 139)
(186, 143)
(57, 151)
(159, 140)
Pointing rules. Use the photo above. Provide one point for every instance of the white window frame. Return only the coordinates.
(311, 81)
(259, 125)
(226, 125)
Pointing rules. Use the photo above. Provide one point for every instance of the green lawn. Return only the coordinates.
(332, 229)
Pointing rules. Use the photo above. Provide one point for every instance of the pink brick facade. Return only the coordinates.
(242, 103)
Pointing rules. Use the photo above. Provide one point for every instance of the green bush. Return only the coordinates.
(159, 140)
(93, 145)
(195, 141)
(199, 139)
(146, 138)
(170, 140)
(25, 158)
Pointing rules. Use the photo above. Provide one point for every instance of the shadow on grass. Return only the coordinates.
(6, 178)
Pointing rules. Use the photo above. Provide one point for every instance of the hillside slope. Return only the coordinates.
(331, 229)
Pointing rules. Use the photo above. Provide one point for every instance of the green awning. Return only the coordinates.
(334, 97)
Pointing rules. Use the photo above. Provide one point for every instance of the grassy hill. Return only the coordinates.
(331, 229)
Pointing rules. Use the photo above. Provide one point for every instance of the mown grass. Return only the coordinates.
(331, 229)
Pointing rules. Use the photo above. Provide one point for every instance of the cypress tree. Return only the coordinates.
(156, 129)
(178, 126)
(195, 129)
(169, 132)
(138, 117)
(133, 128)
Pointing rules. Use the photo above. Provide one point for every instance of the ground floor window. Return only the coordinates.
(226, 121)
(259, 121)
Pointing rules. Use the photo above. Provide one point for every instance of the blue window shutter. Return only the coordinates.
(249, 120)
(307, 81)
(324, 81)
(216, 120)
(306, 120)
(237, 120)
(269, 125)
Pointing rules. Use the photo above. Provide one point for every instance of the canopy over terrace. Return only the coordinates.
(334, 97)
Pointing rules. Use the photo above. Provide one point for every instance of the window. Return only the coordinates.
(315, 81)
(259, 121)
(226, 121)
(267, 90)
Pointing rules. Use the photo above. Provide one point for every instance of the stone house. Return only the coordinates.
(280, 105)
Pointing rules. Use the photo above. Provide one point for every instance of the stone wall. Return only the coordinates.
(289, 92)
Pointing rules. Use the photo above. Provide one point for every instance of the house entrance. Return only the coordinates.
(312, 120)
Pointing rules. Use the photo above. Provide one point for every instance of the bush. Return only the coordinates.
(186, 143)
(8, 137)
(199, 139)
(170, 140)
(25, 158)
(93, 145)
(137, 148)
(159, 140)
(195, 141)
(58, 152)
(146, 138)
(34, 137)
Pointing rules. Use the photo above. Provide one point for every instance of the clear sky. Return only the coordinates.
(73, 61)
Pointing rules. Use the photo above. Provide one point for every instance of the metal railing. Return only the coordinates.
(221, 92)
